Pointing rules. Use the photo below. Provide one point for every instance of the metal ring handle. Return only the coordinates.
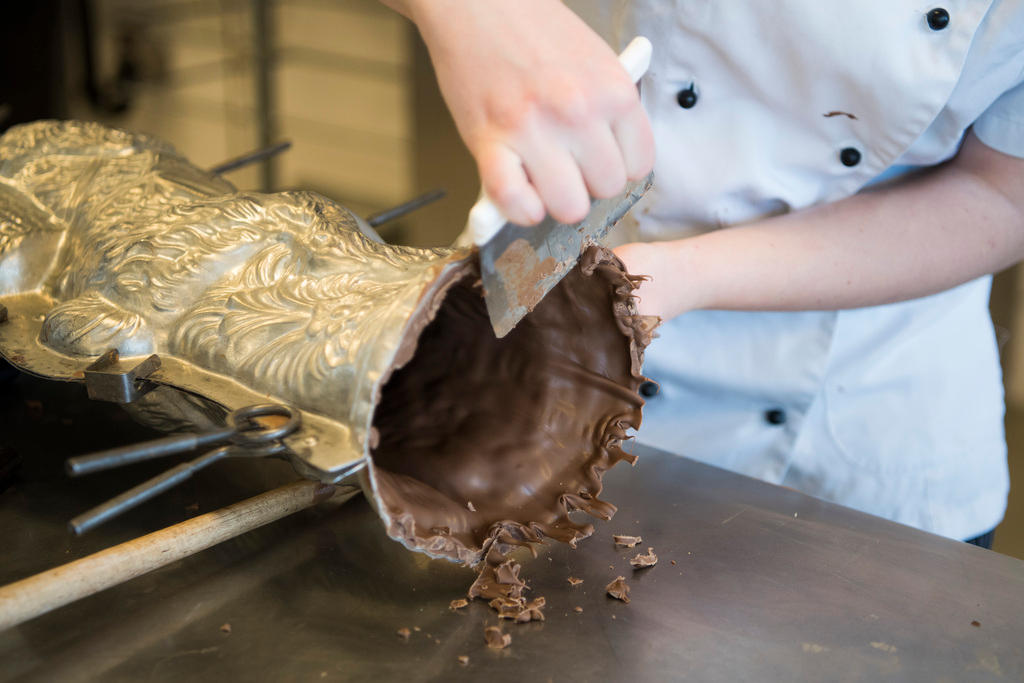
(247, 435)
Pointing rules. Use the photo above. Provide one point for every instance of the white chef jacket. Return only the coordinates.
(895, 410)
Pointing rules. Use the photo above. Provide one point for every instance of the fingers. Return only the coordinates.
(553, 165)
(635, 141)
(556, 176)
(505, 182)
(600, 162)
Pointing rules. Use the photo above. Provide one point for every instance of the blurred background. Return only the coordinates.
(348, 82)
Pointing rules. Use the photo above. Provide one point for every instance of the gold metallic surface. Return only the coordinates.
(112, 240)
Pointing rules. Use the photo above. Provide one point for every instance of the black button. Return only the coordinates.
(649, 389)
(850, 156)
(775, 416)
(687, 98)
(938, 19)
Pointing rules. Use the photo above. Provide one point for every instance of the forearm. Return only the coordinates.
(916, 238)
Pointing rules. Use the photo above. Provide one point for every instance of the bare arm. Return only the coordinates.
(539, 99)
(917, 237)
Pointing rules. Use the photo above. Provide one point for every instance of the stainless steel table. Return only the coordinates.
(767, 584)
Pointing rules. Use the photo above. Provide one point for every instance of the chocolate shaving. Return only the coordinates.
(626, 541)
(578, 610)
(573, 581)
(404, 633)
(498, 577)
(532, 611)
(225, 628)
(458, 603)
(645, 561)
(518, 609)
(618, 589)
(496, 639)
(463, 659)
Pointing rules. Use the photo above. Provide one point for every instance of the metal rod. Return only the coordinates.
(149, 450)
(263, 65)
(251, 157)
(404, 208)
(146, 490)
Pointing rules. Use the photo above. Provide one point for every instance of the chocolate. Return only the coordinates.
(618, 589)
(498, 578)
(626, 541)
(573, 581)
(496, 441)
(578, 610)
(645, 561)
(458, 603)
(496, 639)
(533, 610)
(463, 659)
(404, 633)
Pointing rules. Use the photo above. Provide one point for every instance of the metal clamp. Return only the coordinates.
(249, 439)
(105, 383)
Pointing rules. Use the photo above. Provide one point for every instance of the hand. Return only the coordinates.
(539, 99)
(655, 295)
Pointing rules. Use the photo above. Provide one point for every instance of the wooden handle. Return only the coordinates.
(39, 594)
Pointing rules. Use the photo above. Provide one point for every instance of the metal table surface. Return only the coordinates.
(767, 584)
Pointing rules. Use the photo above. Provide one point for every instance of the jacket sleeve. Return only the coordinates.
(1001, 126)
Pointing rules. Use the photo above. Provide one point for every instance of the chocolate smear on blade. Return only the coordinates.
(524, 426)
(626, 541)
(618, 589)
(496, 639)
(645, 561)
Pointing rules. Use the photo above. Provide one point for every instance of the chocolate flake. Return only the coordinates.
(225, 628)
(578, 610)
(645, 561)
(496, 639)
(976, 623)
(626, 541)
(470, 506)
(618, 589)
(458, 603)
(573, 581)
(463, 660)
(518, 609)
(404, 633)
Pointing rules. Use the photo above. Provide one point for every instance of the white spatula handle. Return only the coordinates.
(485, 218)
